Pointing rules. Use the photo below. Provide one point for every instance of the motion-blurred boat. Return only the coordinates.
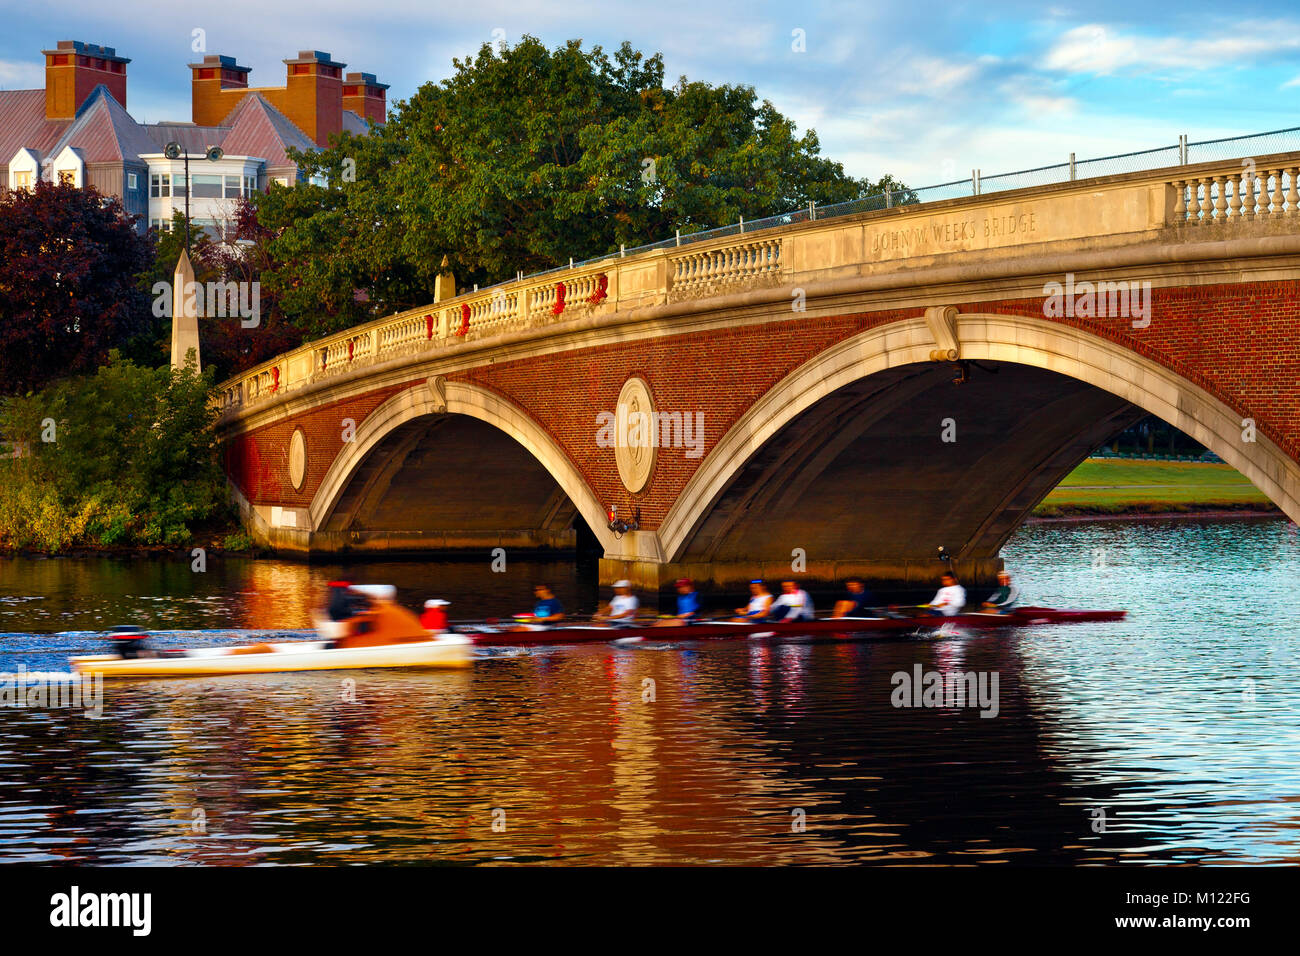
(384, 635)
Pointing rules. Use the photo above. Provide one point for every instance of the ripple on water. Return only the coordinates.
(1176, 729)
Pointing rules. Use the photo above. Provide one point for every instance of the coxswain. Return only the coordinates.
(130, 641)
(1004, 599)
(793, 604)
(760, 602)
(856, 601)
(950, 598)
(434, 617)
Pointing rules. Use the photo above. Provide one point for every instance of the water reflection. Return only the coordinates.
(1170, 737)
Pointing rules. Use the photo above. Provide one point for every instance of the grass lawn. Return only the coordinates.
(1116, 486)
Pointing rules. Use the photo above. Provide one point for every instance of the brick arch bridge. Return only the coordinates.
(865, 388)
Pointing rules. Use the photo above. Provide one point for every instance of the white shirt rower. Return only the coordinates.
(793, 604)
(950, 599)
(622, 606)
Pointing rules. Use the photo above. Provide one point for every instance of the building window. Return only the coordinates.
(178, 184)
(22, 179)
(131, 181)
(250, 185)
(233, 190)
(160, 185)
(68, 176)
(207, 187)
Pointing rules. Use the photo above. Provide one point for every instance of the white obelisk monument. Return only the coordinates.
(185, 315)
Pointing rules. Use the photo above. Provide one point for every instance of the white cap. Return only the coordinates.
(622, 584)
(437, 602)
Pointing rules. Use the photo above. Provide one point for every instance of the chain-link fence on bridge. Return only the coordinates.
(1180, 154)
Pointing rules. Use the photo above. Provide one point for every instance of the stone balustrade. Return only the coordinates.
(741, 261)
(1242, 191)
(1181, 198)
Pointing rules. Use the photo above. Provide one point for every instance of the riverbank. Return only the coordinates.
(227, 541)
(1117, 487)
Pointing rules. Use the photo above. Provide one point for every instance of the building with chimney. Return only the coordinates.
(77, 129)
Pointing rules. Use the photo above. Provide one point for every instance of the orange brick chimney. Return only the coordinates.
(366, 96)
(313, 95)
(216, 86)
(73, 69)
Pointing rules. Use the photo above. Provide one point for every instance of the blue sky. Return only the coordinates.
(922, 90)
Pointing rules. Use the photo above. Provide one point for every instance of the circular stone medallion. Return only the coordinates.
(297, 458)
(634, 446)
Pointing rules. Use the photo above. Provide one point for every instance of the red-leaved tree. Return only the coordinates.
(69, 263)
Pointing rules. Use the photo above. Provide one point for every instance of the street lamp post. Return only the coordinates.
(174, 150)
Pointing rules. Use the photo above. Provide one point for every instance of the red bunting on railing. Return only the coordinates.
(464, 319)
(559, 299)
(352, 343)
(428, 325)
(275, 379)
(602, 290)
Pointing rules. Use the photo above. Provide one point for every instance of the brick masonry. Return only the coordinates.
(1240, 342)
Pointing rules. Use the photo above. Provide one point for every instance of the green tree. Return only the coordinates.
(125, 456)
(524, 158)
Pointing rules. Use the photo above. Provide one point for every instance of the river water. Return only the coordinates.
(1173, 736)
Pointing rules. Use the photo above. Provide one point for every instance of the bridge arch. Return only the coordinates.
(440, 398)
(1010, 340)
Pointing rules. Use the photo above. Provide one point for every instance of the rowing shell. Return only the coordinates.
(391, 637)
(451, 650)
(709, 630)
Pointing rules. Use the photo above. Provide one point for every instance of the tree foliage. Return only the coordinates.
(125, 456)
(68, 288)
(524, 158)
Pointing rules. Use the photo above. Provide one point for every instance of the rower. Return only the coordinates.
(794, 604)
(1004, 599)
(434, 617)
(340, 601)
(548, 609)
(130, 641)
(622, 608)
(950, 599)
(760, 602)
(688, 604)
(856, 601)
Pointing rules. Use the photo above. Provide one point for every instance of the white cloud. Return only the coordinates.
(20, 75)
(1099, 49)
